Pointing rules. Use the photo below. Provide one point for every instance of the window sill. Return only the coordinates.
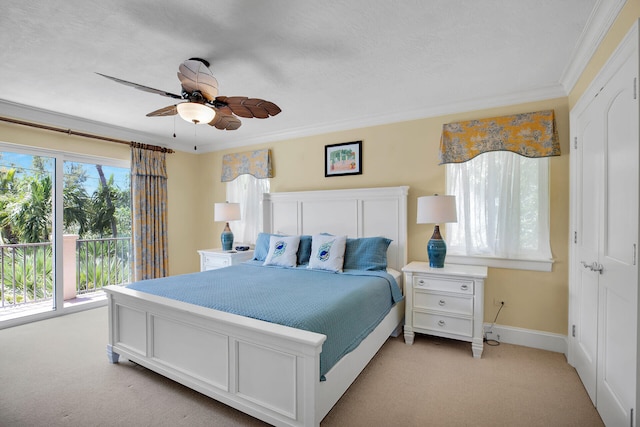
(516, 264)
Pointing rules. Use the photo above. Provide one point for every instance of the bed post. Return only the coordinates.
(111, 355)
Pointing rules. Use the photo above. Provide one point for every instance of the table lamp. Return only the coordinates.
(226, 212)
(436, 210)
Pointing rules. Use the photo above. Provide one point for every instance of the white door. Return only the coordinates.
(618, 298)
(589, 213)
(605, 275)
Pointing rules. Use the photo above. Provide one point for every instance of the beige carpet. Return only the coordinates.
(56, 373)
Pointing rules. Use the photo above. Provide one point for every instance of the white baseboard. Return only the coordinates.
(527, 337)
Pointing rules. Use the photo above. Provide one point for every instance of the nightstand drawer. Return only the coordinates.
(444, 324)
(439, 302)
(211, 263)
(436, 284)
(212, 259)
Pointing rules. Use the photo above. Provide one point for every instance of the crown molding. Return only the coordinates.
(600, 21)
(532, 95)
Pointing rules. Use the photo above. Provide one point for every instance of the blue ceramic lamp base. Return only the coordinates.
(226, 238)
(436, 249)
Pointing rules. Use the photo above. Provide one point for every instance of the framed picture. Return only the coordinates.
(343, 159)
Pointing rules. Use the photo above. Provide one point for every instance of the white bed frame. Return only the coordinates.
(269, 371)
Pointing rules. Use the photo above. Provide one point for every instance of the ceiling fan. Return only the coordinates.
(202, 103)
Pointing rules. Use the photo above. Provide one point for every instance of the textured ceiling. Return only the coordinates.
(329, 65)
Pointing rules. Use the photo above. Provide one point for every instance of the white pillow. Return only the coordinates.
(327, 252)
(283, 251)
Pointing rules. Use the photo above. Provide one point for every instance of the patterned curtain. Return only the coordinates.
(149, 200)
(528, 134)
(256, 163)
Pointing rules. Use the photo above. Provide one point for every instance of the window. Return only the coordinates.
(247, 190)
(503, 211)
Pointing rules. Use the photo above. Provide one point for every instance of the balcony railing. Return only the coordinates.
(26, 272)
(102, 262)
(26, 269)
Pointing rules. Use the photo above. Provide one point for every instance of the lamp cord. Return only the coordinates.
(493, 342)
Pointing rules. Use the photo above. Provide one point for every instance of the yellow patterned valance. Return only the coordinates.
(256, 163)
(528, 134)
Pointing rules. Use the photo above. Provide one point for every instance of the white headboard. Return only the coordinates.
(363, 212)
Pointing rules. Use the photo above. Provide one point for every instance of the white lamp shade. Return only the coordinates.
(437, 209)
(226, 211)
(195, 113)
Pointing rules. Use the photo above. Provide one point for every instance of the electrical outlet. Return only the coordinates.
(499, 302)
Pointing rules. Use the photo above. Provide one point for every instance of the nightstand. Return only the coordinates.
(446, 302)
(210, 259)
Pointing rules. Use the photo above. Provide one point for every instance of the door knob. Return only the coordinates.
(594, 266)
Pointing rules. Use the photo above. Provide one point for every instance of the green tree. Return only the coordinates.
(7, 194)
(41, 166)
(75, 199)
(30, 213)
(105, 191)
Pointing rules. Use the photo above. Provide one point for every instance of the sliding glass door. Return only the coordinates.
(97, 228)
(27, 186)
(65, 231)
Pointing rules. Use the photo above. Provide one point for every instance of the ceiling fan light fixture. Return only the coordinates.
(195, 113)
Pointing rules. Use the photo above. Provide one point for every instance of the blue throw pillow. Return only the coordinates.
(262, 247)
(304, 250)
(366, 253)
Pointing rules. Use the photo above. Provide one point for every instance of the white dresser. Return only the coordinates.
(447, 302)
(210, 259)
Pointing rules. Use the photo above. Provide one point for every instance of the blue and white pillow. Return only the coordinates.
(327, 252)
(262, 246)
(283, 251)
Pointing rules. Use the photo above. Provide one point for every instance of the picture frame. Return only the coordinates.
(343, 159)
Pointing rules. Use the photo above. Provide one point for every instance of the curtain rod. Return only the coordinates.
(88, 135)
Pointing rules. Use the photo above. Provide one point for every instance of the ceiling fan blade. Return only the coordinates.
(195, 75)
(223, 108)
(141, 87)
(225, 122)
(249, 107)
(171, 110)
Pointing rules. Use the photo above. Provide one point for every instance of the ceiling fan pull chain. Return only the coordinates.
(195, 131)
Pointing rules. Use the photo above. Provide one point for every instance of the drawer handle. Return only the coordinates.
(421, 282)
(441, 302)
(464, 287)
(441, 323)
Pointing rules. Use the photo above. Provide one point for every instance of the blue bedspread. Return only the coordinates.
(345, 307)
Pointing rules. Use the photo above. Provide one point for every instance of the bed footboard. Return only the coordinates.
(265, 370)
